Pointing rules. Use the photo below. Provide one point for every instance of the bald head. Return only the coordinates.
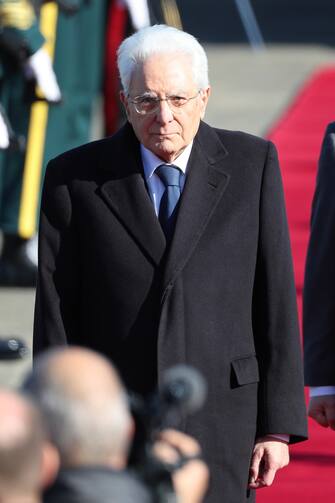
(22, 438)
(83, 401)
(80, 373)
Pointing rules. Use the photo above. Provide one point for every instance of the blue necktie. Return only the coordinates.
(170, 176)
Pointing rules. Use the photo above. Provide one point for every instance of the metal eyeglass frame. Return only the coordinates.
(157, 100)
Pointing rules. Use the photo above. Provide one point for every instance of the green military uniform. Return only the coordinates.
(74, 30)
(20, 37)
(78, 56)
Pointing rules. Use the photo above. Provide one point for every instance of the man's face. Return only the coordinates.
(166, 132)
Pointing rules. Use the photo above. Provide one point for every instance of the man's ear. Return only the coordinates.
(124, 101)
(204, 97)
(50, 465)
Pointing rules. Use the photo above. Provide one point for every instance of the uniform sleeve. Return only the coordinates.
(319, 286)
(57, 295)
(281, 407)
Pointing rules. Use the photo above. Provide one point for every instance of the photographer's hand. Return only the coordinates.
(190, 478)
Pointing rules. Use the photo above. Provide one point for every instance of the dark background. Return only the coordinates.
(280, 21)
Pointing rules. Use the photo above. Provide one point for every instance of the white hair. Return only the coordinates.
(85, 427)
(86, 431)
(158, 39)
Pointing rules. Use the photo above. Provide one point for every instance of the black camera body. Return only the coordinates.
(12, 348)
(183, 391)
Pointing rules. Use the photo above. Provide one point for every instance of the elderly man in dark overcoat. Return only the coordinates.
(168, 243)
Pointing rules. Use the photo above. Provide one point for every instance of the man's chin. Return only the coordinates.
(165, 150)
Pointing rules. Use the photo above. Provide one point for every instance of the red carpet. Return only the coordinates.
(310, 477)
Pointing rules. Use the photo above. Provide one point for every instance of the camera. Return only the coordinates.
(12, 348)
(183, 391)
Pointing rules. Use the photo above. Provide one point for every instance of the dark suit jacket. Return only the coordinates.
(221, 298)
(319, 293)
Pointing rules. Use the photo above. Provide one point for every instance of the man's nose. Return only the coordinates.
(164, 113)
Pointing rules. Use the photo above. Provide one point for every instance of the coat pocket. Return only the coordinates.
(245, 370)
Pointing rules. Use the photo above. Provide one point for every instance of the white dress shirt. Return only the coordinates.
(321, 390)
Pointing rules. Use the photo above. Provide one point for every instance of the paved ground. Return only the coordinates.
(250, 90)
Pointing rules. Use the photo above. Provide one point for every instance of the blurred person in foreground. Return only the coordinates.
(319, 291)
(27, 461)
(168, 243)
(85, 408)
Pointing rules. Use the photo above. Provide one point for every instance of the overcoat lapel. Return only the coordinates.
(127, 196)
(205, 183)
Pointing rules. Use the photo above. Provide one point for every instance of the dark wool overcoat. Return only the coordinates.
(319, 297)
(220, 298)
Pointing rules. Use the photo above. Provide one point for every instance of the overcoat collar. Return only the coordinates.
(126, 193)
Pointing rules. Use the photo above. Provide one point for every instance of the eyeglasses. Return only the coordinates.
(145, 105)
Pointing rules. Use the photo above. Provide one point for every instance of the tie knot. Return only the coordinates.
(170, 175)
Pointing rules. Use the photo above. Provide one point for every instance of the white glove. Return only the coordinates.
(4, 135)
(139, 12)
(32, 249)
(39, 64)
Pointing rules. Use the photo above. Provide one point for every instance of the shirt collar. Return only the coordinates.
(151, 161)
